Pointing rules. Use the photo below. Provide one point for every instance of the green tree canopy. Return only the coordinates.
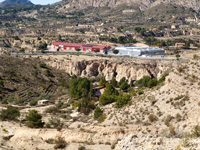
(11, 113)
(34, 119)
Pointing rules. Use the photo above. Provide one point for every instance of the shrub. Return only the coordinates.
(143, 82)
(101, 119)
(33, 102)
(168, 120)
(172, 130)
(52, 110)
(34, 119)
(124, 86)
(97, 113)
(1, 83)
(115, 51)
(162, 79)
(140, 92)
(196, 131)
(152, 118)
(43, 65)
(122, 100)
(60, 143)
(81, 148)
(55, 123)
(11, 113)
(152, 83)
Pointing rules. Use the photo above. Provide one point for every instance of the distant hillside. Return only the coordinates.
(13, 3)
(23, 79)
(141, 4)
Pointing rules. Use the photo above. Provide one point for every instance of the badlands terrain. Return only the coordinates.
(164, 117)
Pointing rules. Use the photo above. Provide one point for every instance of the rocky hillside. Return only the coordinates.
(15, 3)
(23, 79)
(92, 67)
(142, 4)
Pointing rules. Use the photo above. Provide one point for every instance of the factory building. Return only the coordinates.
(139, 51)
(61, 46)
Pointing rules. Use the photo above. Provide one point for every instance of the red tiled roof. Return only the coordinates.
(79, 44)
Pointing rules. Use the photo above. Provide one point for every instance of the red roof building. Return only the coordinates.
(84, 47)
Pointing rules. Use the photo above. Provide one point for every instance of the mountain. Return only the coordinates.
(142, 4)
(13, 3)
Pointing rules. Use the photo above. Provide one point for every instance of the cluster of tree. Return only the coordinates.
(112, 95)
(81, 89)
(42, 46)
(153, 41)
(144, 32)
(122, 39)
(148, 82)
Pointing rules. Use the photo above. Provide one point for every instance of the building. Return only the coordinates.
(98, 91)
(180, 44)
(61, 46)
(139, 51)
(43, 102)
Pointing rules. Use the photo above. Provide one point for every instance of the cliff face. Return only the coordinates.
(91, 67)
(142, 4)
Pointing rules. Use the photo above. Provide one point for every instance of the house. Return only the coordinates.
(43, 102)
(179, 44)
(174, 26)
(61, 46)
(98, 91)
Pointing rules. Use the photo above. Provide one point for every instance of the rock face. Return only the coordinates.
(142, 4)
(15, 2)
(92, 67)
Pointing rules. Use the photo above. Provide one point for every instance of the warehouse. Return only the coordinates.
(61, 46)
(139, 51)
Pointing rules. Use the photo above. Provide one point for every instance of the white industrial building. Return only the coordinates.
(139, 51)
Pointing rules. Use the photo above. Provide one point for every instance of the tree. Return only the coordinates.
(115, 51)
(178, 56)
(22, 50)
(34, 119)
(59, 38)
(124, 86)
(96, 50)
(102, 82)
(152, 83)
(109, 96)
(11, 113)
(78, 50)
(97, 113)
(122, 100)
(43, 46)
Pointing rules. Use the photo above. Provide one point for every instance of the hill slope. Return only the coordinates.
(142, 4)
(15, 3)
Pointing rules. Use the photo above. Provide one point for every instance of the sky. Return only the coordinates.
(42, 2)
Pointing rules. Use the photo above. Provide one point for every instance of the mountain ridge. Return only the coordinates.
(14, 3)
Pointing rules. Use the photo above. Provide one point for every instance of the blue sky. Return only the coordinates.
(43, 2)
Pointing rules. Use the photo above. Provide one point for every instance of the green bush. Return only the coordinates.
(34, 119)
(124, 86)
(107, 99)
(43, 65)
(33, 102)
(97, 113)
(152, 83)
(162, 79)
(60, 143)
(11, 113)
(143, 82)
(80, 87)
(141, 92)
(122, 100)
